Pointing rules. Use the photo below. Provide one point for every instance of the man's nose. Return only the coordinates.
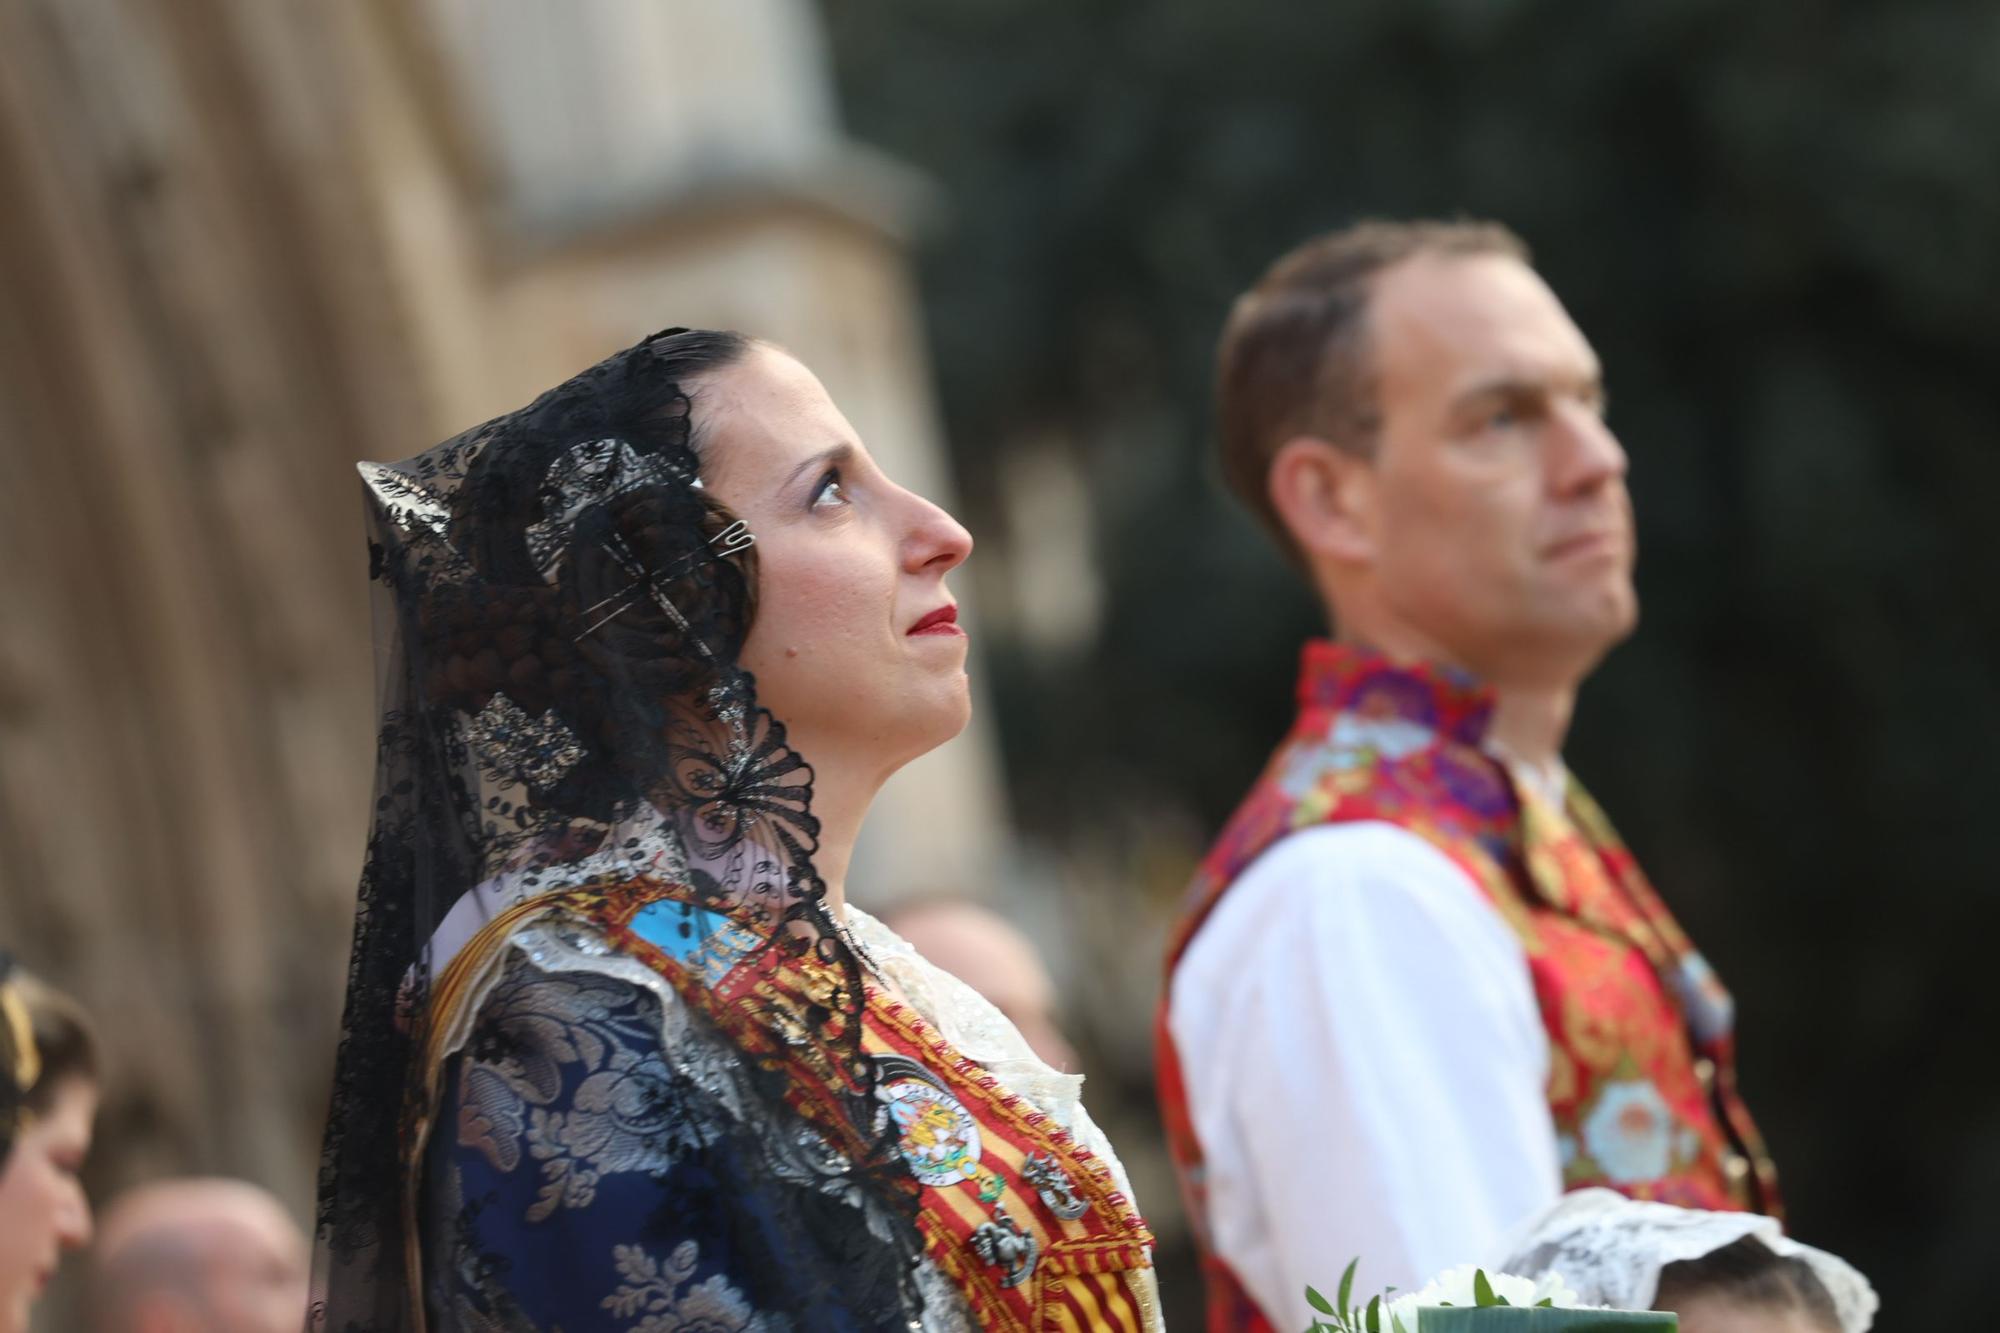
(1589, 455)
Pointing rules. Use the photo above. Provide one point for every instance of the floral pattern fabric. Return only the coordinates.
(584, 1174)
(601, 1156)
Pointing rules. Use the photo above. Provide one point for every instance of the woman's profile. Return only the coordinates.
(616, 1055)
(48, 1105)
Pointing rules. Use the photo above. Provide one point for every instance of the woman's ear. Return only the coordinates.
(1325, 496)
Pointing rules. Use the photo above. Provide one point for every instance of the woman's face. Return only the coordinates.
(43, 1210)
(855, 646)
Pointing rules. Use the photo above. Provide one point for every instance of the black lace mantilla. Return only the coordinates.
(560, 605)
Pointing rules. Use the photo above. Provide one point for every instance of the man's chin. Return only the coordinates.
(1571, 638)
(1606, 625)
(1606, 607)
(1622, 613)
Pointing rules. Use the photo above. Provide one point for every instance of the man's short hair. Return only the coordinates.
(1295, 359)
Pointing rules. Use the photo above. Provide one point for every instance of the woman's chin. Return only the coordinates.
(930, 722)
(949, 716)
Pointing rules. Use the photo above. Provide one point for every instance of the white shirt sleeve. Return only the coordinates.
(1365, 1066)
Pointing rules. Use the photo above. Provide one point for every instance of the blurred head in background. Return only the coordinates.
(199, 1256)
(986, 952)
(1720, 1272)
(1745, 1287)
(43, 1211)
(1415, 418)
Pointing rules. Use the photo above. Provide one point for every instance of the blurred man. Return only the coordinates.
(199, 1256)
(1420, 986)
(987, 953)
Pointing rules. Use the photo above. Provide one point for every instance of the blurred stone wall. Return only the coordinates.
(196, 338)
(246, 244)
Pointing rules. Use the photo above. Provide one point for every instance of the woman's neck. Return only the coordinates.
(842, 793)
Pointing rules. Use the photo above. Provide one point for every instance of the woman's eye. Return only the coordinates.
(829, 493)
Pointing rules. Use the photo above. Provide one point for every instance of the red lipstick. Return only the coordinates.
(944, 620)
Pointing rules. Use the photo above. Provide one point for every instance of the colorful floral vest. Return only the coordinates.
(1026, 1222)
(1642, 1061)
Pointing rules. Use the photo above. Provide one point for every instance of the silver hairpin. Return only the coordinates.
(736, 537)
(628, 592)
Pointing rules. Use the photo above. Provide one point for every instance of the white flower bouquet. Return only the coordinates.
(1468, 1300)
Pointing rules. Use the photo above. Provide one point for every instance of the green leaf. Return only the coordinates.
(1546, 1303)
(1372, 1321)
(1482, 1290)
(1347, 1283)
(1317, 1301)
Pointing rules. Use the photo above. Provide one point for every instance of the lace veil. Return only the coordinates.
(1610, 1250)
(559, 606)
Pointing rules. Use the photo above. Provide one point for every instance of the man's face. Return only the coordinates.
(256, 1271)
(1502, 528)
(204, 1256)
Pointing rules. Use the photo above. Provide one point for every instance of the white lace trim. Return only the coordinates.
(1611, 1249)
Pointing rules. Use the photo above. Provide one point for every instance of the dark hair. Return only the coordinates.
(1294, 357)
(516, 633)
(63, 1039)
(1747, 1273)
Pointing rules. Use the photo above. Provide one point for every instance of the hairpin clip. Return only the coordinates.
(27, 1060)
(736, 537)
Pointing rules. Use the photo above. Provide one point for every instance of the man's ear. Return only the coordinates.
(1325, 497)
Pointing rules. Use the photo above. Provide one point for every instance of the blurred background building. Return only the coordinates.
(245, 244)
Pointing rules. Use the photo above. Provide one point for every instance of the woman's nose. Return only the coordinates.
(937, 542)
(74, 1226)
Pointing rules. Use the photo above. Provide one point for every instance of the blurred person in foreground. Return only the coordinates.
(616, 1051)
(198, 1256)
(48, 1100)
(1720, 1272)
(1419, 986)
(990, 954)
